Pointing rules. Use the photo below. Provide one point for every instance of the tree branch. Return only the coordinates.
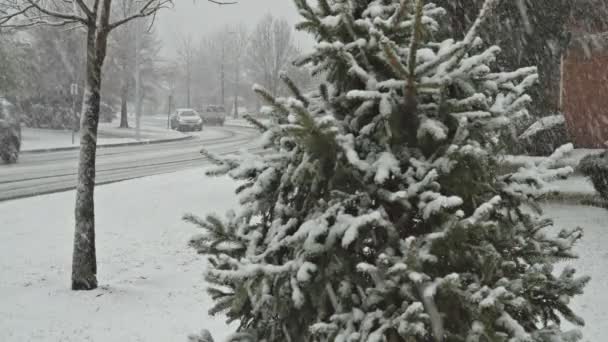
(55, 14)
(39, 12)
(87, 11)
(27, 13)
(149, 8)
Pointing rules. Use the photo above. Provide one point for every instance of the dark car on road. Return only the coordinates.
(186, 120)
(214, 115)
(10, 132)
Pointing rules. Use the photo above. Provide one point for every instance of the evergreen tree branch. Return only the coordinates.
(255, 122)
(294, 89)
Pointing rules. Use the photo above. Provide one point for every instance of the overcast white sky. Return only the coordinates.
(196, 17)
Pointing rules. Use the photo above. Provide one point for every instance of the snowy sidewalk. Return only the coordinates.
(572, 159)
(573, 189)
(111, 130)
(243, 122)
(34, 139)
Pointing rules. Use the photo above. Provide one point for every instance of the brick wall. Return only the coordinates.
(585, 97)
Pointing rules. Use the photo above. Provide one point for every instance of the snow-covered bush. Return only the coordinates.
(545, 135)
(510, 135)
(595, 167)
(377, 211)
(204, 336)
(58, 113)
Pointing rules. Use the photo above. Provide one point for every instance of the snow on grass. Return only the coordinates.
(151, 284)
(244, 122)
(572, 159)
(36, 139)
(574, 185)
(147, 130)
(108, 134)
(593, 261)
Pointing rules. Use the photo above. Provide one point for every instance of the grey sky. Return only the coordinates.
(199, 16)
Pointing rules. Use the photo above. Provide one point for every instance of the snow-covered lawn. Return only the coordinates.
(148, 131)
(36, 139)
(243, 122)
(152, 287)
(108, 134)
(572, 159)
(574, 185)
(593, 261)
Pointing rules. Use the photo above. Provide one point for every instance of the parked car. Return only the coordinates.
(214, 114)
(186, 119)
(10, 132)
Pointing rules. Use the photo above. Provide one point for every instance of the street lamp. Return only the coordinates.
(74, 93)
(169, 111)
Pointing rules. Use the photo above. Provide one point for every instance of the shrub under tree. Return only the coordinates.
(595, 168)
(377, 211)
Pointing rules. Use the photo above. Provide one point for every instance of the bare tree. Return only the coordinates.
(239, 38)
(271, 49)
(186, 53)
(126, 59)
(95, 16)
(211, 65)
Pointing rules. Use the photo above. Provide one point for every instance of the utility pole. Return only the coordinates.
(137, 82)
(169, 111)
(74, 93)
(222, 74)
(236, 88)
(237, 65)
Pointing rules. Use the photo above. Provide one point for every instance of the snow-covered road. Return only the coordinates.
(40, 173)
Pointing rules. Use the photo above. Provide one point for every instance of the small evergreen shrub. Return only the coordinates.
(595, 167)
(377, 212)
(545, 135)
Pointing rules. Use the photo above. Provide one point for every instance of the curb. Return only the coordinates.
(134, 143)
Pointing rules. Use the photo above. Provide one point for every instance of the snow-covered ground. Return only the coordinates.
(243, 122)
(151, 129)
(152, 287)
(593, 261)
(37, 139)
(575, 185)
(572, 159)
(108, 134)
(151, 284)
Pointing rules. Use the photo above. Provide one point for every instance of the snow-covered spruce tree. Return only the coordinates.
(378, 210)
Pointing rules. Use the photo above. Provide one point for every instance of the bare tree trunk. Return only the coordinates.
(124, 95)
(84, 260)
